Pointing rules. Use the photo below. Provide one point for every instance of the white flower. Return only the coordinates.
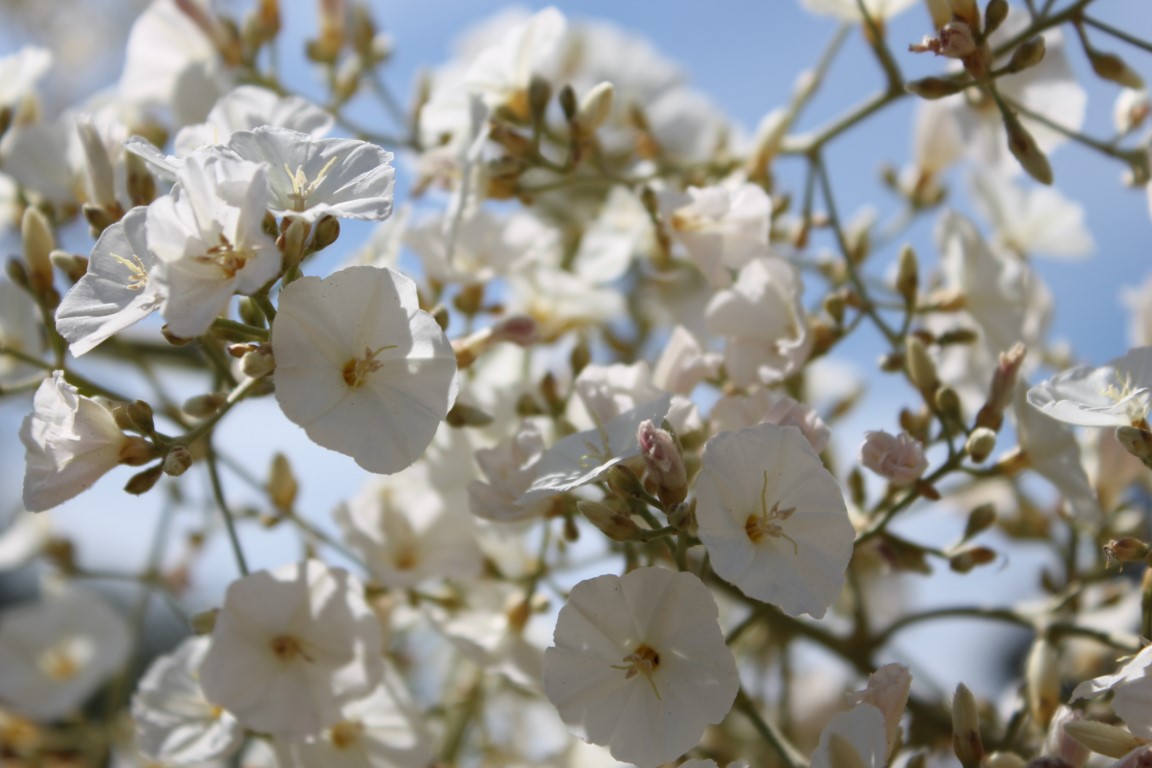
(762, 321)
(1051, 449)
(406, 534)
(772, 518)
(683, 364)
(486, 246)
(723, 228)
(1032, 219)
(560, 301)
(853, 739)
(209, 240)
(887, 690)
(585, 457)
(310, 178)
(117, 289)
(174, 722)
(20, 72)
(381, 730)
(70, 441)
(23, 537)
(640, 664)
(248, 107)
(736, 411)
(501, 73)
(1116, 394)
(899, 458)
(361, 367)
(1131, 688)
(292, 647)
(509, 469)
(611, 240)
(55, 653)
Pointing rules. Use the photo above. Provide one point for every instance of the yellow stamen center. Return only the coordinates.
(356, 370)
(642, 661)
(346, 734)
(289, 648)
(302, 189)
(137, 274)
(767, 523)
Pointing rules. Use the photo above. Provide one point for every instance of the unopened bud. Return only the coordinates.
(1028, 54)
(1127, 550)
(1005, 760)
(949, 403)
(141, 186)
(568, 103)
(1111, 67)
(921, 370)
(539, 94)
(957, 40)
(1108, 740)
(612, 523)
(326, 232)
(1137, 442)
(143, 482)
(134, 417)
(464, 415)
(203, 406)
(994, 14)
(75, 267)
(282, 484)
(137, 451)
(177, 461)
(595, 108)
(966, 741)
(1024, 148)
(1003, 387)
(291, 241)
(39, 242)
(966, 560)
(980, 444)
(623, 480)
(1042, 675)
(258, 363)
(663, 462)
(908, 276)
(932, 88)
(979, 519)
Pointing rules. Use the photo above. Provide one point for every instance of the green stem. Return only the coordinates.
(789, 755)
(225, 510)
(1119, 34)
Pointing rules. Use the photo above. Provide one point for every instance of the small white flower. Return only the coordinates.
(736, 411)
(248, 107)
(509, 469)
(1131, 688)
(381, 730)
(55, 653)
(361, 367)
(209, 240)
(486, 246)
(20, 72)
(1116, 394)
(1033, 219)
(1051, 449)
(70, 441)
(772, 518)
(292, 647)
(762, 321)
(310, 178)
(640, 664)
(406, 534)
(899, 458)
(501, 73)
(723, 228)
(116, 291)
(174, 722)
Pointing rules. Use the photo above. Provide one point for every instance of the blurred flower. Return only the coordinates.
(849, 10)
(723, 228)
(900, 458)
(736, 411)
(1116, 394)
(853, 738)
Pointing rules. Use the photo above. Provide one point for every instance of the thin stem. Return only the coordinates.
(788, 753)
(1119, 34)
(225, 510)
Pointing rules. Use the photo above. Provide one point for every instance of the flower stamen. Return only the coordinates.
(767, 523)
(356, 370)
(642, 661)
(137, 274)
(301, 187)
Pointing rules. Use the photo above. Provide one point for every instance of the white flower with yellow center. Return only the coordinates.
(773, 519)
(361, 367)
(640, 664)
(1116, 394)
(54, 654)
(292, 647)
(117, 289)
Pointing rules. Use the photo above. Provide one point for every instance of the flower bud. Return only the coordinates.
(1127, 549)
(908, 276)
(965, 560)
(1042, 676)
(539, 94)
(899, 459)
(326, 232)
(613, 524)
(1137, 442)
(203, 406)
(1003, 387)
(980, 444)
(966, 741)
(623, 480)
(72, 265)
(282, 484)
(142, 482)
(1109, 740)
(994, 14)
(933, 88)
(1024, 148)
(39, 242)
(568, 103)
(979, 519)
(1028, 54)
(957, 40)
(258, 363)
(663, 462)
(1111, 67)
(291, 241)
(595, 108)
(921, 370)
(949, 403)
(177, 461)
(464, 415)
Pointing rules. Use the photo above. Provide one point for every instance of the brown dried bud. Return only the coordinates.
(1024, 148)
(326, 232)
(142, 482)
(1127, 550)
(979, 520)
(966, 560)
(994, 14)
(1111, 67)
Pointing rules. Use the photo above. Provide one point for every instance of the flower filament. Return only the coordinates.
(356, 370)
(137, 275)
(226, 257)
(1137, 408)
(767, 523)
(302, 189)
(642, 661)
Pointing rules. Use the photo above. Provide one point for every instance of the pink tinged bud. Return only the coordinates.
(956, 41)
(664, 463)
(520, 330)
(1002, 389)
(1059, 744)
(900, 459)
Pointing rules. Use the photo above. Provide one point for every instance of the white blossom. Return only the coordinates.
(723, 228)
(1117, 393)
(899, 458)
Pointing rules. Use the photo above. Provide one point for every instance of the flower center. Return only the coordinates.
(137, 275)
(288, 648)
(767, 523)
(58, 663)
(226, 257)
(642, 661)
(1122, 389)
(302, 189)
(356, 370)
(345, 734)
